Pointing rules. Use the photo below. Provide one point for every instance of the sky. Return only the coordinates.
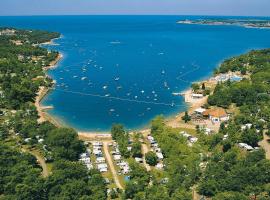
(138, 7)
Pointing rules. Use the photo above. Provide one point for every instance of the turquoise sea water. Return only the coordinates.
(124, 69)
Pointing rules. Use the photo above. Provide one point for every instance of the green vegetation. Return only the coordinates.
(21, 75)
(64, 144)
(186, 117)
(151, 158)
(232, 173)
(122, 138)
(215, 165)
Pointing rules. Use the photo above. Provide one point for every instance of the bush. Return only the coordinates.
(151, 158)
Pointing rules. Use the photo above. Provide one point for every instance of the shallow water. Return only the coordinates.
(124, 69)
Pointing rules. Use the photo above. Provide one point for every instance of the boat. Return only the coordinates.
(105, 87)
(165, 84)
(163, 72)
(117, 79)
(177, 93)
(107, 95)
(142, 91)
(83, 78)
(115, 42)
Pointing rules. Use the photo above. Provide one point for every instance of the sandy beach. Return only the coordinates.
(43, 91)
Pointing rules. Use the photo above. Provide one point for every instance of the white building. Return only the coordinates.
(160, 156)
(196, 96)
(216, 115)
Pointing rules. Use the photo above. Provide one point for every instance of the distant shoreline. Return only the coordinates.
(260, 24)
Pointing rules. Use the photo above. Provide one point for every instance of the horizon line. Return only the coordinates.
(210, 15)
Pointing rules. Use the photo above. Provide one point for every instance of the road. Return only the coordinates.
(145, 150)
(41, 161)
(111, 165)
(265, 145)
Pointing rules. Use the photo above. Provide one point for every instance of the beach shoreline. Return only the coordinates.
(42, 92)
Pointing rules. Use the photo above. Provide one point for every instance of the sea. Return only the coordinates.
(125, 69)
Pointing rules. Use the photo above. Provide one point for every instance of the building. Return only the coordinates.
(160, 156)
(216, 115)
(138, 160)
(7, 32)
(196, 96)
(159, 166)
(245, 146)
(200, 111)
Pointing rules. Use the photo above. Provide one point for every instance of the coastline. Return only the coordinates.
(42, 92)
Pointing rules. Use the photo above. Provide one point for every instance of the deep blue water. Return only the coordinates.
(152, 56)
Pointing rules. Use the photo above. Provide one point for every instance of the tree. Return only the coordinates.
(136, 150)
(230, 196)
(203, 86)
(251, 137)
(117, 130)
(208, 187)
(195, 87)
(151, 158)
(182, 194)
(122, 138)
(65, 144)
(186, 117)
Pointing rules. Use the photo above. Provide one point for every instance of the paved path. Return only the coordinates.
(145, 150)
(111, 165)
(265, 145)
(41, 161)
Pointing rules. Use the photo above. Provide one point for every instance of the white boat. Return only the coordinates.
(105, 87)
(115, 42)
(177, 94)
(83, 78)
(165, 84)
(117, 79)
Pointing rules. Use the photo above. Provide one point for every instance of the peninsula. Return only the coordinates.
(248, 23)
